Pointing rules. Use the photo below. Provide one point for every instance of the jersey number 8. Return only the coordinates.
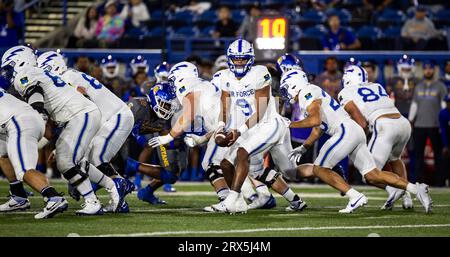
(368, 95)
(57, 81)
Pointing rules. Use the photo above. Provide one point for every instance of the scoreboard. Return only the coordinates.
(271, 37)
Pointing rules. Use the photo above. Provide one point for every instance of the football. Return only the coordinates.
(223, 138)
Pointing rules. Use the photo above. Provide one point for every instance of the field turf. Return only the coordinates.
(183, 216)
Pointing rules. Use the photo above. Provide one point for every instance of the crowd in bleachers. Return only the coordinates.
(314, 24)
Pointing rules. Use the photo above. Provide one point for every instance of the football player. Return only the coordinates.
(370, 106)
(50, 95)
(23, 128)
(347, 138)
(116, 124)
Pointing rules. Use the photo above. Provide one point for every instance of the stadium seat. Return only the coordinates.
(311, 38)
(392, 31)
(368, 36)
(238, 16)
(344, 15)
(390, 39)
(156, 32)
(292, 15)
(390, 17)
(295, 33)
(317, 31)
(208, 18)
(156, 15)
(206, 32)
(129, 42)
(442, 18)
(186, 32)
(311, 18)
(182, 18)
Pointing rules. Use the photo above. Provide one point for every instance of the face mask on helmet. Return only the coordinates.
(7, 74)
(406, 67)
(19, 56)
(52, 61)
(162, 99)
(240, 57)
(291, 84)
(139, 64)
(162, 72)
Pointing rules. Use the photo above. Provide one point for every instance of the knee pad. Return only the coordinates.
(214, 173)
(75, 176)
(268, 177)
(168, 177)
(107, 169)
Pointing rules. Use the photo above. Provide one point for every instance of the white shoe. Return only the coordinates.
(259, 202)
(90, 207)
(354, 204)
(114, 201)
(393, 195)
(231, 206)
(407, 202)
(424, 197)
(15, 203)
(54, 205)
(218, 207)
(296, 206)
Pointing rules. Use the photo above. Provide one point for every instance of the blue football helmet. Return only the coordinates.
(289, 62)
(406, 66)
(241, 57)
(110, 67)
(162, 72)
(163, 101)
(139, 64)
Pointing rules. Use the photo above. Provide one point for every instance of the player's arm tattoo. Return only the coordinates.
(314, 118)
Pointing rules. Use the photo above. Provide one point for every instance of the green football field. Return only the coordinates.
(183, 216)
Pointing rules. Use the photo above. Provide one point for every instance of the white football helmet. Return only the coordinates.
(14, 58)
(221, 63)
(52, 61)
(354, 75)
(240, 50)
(292, 82)
(406, 66)
(110, 67)
(177, 73)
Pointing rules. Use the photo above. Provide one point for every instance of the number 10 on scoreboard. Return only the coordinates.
(271, 37)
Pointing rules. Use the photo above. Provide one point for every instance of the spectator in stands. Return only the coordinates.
(83, 64)
(135, 13)
(428, 99)
(444, 122)
(247, 28)
(401, 86)
(446, 78)
(10, 25)
(84, 33)
(135, 89)
(330, 79)
(371, 69)
(339, 38)
(195, 7)
(225, 26)
(376, 5)
(417, 31)
(110, 27)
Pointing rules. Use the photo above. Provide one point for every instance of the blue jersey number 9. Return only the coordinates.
(246, 107)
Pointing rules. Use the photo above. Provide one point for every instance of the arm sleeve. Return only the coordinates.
(412, 111)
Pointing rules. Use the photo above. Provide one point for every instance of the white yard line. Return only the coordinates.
(200, 232)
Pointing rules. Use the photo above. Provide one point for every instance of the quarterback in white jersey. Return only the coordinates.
(369, 104)
(116, 120)
(347, 138)
(50, 95)
(23, 128)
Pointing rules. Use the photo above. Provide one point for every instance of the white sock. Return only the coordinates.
(352, 193)
(223, 193)
(412, 188)
(247, 188)
(85, 189)
(96, 176)
(263, 189)
(289, 194)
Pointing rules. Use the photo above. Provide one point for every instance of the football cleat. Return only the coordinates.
(15, 203)
(393, 195)
(90, 207)
(116, 194)
(354, 204)
(146, 195)
(424, 197)
(129, 186)
(407, 202)
(263, 202)
(73, 192)
(169, 188)
(237, 206)
(298, 205)
(56, 204)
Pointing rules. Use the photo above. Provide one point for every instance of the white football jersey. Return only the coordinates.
(107, 102)
(242, 93)
(370, 98)
(61, 101)
(331, 112)
(10, 106)
(207, 105)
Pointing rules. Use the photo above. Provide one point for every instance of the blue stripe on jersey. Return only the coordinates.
(109, 138)
(333, 146)
(375, 135)
(19, 147)
(263, 144)
(80, 137)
